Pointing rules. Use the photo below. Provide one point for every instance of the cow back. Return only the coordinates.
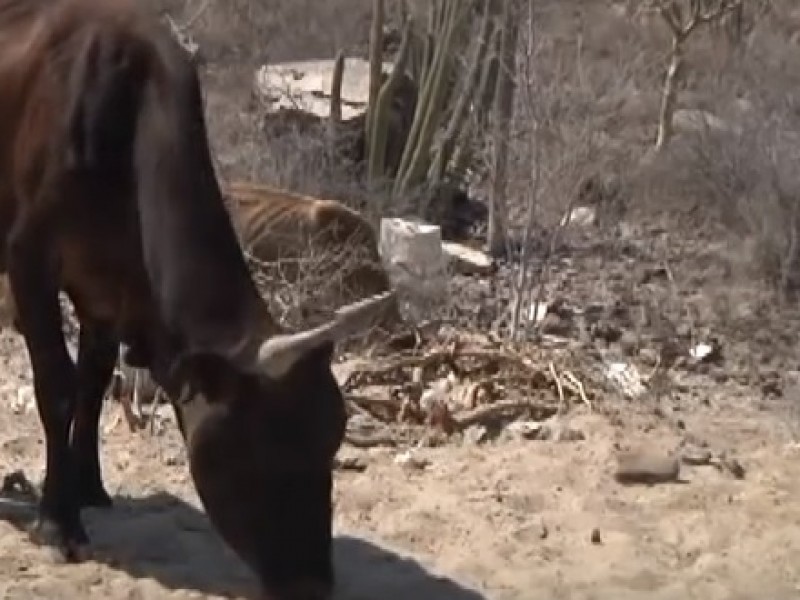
(275, 225)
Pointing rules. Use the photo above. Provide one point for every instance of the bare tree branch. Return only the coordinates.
(672, 13)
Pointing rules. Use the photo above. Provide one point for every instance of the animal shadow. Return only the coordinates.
(163, 538)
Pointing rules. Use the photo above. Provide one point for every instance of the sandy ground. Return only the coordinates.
(510, 520)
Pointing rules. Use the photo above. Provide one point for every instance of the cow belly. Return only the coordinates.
(99, 285)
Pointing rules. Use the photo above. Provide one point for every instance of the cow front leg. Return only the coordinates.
(97, 355)
(35, 291)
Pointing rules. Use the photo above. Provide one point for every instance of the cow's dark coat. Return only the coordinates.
(107, 192)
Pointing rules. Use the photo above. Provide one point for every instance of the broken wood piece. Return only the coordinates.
(559, 387)
(466, 260)
(350, 463)
(570, 377)
(135, 422)
(506, 409)
(370, 441)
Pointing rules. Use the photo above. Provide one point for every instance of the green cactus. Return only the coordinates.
(427, 55)
(336, 88)
(421, 51)
(376, 166)
(458, 117)
(375, 61)
(484, 96)
(417, 154)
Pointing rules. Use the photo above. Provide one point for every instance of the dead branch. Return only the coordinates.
(443, 356)
(578, 388)
(197, 14)
(506, 409)
(349, 464)
(559, 387)
(370, 441)
(182, 37)
(700, 12)
(375, 407)
(681, 27)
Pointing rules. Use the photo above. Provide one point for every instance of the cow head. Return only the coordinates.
(261, 439)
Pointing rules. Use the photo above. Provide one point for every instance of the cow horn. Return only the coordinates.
(278, 354)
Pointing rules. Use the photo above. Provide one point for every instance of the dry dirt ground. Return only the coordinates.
(509, 520)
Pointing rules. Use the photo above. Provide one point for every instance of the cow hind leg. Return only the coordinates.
(35, 293)
(97, 356)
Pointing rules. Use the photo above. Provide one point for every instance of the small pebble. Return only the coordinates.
(543, 532)
(596, 536)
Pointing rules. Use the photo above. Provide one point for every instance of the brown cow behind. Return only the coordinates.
(277, 225)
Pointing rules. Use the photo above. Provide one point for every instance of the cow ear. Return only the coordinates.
(206, 372)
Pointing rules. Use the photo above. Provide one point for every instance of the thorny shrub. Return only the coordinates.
(256, 31)
(557, 151)
(742, 172)
(304, 290)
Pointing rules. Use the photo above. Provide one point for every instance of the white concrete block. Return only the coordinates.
(412, 255)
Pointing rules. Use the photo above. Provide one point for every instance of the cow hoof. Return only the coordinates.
(66, 549)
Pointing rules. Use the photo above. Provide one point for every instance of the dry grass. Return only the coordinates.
(301, 290)
(744, 175)
(236, 31)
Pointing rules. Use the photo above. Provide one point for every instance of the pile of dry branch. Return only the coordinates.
(452, 382)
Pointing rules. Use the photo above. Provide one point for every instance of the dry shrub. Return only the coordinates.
(559, 142)
(743, 175)
(753, 185)
(255, 31)
(304, 290)
(566, 129)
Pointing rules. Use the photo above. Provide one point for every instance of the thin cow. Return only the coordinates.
(276, 225)
(107, 192)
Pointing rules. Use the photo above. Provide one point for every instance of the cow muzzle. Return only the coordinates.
(278, 354)
(303, 591)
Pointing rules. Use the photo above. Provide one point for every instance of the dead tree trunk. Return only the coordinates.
(669, 94)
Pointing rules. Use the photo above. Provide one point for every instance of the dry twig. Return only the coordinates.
(579, 388)
(503, 409)
(561, 400)
(370, 441)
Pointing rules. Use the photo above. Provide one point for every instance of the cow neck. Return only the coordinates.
(197, 271)
(191, 409)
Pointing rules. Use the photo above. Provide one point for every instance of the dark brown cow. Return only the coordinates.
(107, 191)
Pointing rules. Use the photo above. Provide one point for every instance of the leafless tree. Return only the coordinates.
(551, 150)
(682, 17)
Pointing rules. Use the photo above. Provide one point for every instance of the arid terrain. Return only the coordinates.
(506, 518)
(478, 505)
